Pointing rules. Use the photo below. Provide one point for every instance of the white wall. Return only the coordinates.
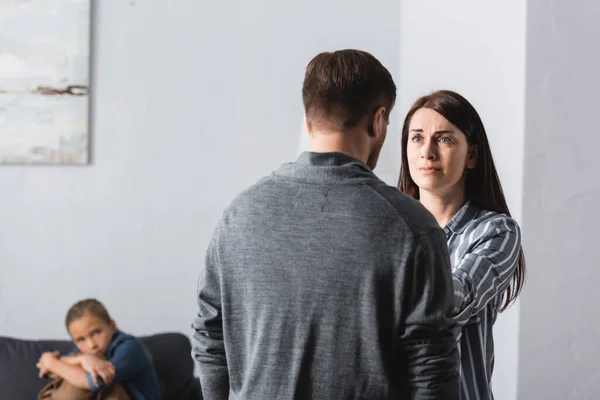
(477, 49)
(560, 330)
(191, 102)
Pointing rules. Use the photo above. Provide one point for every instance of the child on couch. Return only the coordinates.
(104, 356)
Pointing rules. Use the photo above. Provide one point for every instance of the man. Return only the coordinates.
(321, 281)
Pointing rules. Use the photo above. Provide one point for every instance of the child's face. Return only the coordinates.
(91, 334)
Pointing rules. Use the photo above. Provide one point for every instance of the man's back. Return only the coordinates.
(322, 282)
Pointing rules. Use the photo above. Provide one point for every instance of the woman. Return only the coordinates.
(447, 165)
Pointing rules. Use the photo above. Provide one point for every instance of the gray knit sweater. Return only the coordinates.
(323, 282)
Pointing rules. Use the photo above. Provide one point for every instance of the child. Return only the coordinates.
(104, 356)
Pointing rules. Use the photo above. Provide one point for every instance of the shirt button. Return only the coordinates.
(446, 230)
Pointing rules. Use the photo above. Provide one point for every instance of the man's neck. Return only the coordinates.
(443, 208)
(350, 143)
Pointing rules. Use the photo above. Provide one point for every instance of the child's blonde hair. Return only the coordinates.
(87, 306)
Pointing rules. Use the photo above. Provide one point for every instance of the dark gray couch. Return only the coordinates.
(170, 355)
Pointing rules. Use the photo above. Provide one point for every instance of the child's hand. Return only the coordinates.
(45, 362)
(98, 367)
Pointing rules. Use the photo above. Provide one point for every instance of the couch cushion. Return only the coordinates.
(170, 354)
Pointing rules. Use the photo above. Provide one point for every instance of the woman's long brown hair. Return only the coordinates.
(482, 186)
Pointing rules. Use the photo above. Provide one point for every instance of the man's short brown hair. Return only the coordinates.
(343, 87)
(87, 306)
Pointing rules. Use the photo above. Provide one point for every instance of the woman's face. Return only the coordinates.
(438, 154)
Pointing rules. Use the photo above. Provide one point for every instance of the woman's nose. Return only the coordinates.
(427, 151)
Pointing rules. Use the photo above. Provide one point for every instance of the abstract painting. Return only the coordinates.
(44, 75)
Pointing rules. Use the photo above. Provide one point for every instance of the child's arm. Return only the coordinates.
(73, 359)
(97, 368)
(81, 370)
(73, 374)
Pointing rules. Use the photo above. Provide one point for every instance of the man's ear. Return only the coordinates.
(472, 156)
(307, 124)
(379, 122)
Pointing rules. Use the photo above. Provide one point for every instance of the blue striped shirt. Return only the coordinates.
(484, 252)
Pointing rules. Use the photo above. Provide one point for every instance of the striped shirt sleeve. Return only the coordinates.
(485, 272)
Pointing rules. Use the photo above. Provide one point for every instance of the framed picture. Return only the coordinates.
(44, 76)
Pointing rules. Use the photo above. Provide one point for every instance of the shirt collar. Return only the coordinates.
(114, 340)
(325, 167)
(466, 214)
